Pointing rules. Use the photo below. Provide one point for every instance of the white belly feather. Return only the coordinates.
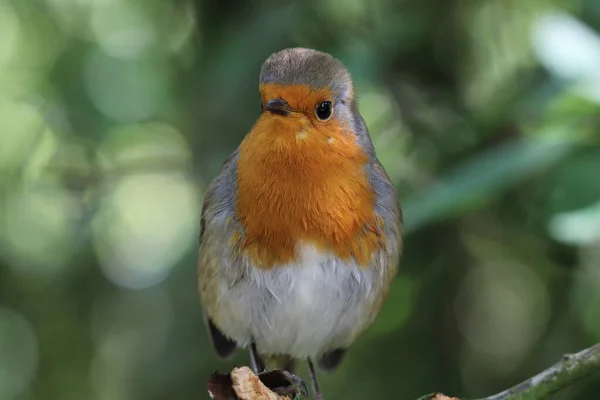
(301, 309)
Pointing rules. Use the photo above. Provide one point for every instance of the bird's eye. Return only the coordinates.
(324, 110)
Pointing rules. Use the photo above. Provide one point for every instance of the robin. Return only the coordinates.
(301, 229)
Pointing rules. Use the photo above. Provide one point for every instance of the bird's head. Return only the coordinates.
(308, 103)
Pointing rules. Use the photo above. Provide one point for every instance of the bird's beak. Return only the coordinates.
(279, 106)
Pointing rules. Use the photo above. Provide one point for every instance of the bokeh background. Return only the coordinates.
(115, 114)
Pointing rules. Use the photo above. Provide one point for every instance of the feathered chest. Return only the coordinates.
(292, 192)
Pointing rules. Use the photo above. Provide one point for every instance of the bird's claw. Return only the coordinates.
(298, 383)
(283, 382)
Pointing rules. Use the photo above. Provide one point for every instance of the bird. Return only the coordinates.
(301, 228)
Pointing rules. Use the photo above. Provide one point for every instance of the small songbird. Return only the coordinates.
(301, 229)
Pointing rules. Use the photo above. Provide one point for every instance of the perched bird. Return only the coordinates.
(301, 228)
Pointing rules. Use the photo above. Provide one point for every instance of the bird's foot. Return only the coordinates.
(284, 383)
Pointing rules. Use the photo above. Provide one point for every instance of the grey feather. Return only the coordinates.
(310, 67)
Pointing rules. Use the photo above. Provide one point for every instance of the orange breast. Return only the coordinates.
(304, 181)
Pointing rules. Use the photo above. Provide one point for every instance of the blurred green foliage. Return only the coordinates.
(115, 114)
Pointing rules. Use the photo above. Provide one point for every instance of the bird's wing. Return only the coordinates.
(387, 204)
(387, 208)
(217, 210)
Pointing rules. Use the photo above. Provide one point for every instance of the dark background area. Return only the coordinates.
(115, 114)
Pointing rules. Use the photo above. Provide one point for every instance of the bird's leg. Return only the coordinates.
(313, 380)
(255, 361)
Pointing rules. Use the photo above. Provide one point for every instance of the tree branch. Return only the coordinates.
(564, 373)
(242, 384)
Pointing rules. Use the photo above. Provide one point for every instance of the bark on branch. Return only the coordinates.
(567, 371)
(243, 384)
